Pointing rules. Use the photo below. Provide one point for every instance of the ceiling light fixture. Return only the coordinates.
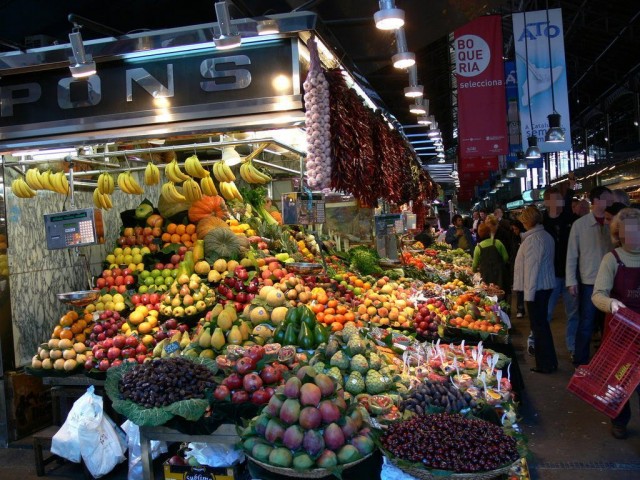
(521, 165)
(419, 108)
(511, 173)
(227, 39)
(403, 59)
(413, 90)
(424, 120)
(82, 64)
(388, 17)
(533, 152)
(433, 133)
(267, 27)
(555, 134)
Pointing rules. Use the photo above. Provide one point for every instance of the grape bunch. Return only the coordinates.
(164, 381)
(451, 442)
(436, 394)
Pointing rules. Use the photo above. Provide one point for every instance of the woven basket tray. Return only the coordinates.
(315, 473)
(425, 474)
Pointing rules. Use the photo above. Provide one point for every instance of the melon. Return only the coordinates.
(278, 314)
(258, 315)
(275, 298)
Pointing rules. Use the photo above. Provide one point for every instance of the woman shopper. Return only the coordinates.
(618, 285)
(490, 257)
(534, 275)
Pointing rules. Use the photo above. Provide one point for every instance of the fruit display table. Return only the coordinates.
(225, 434)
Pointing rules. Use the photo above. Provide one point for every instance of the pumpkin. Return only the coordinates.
(276, 214)
(209, 223)
(206, 206)
(223, 243)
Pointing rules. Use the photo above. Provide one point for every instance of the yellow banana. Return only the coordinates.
(207, 186)
(194, 168)
(191, 190)
(151, 174)
(235, 191)
(244, 174)
(105, 183)
(218, 171)
(63, 183)
(174, 173)
(106, 201)
(33, 179)
(262, 177)
(134, 185)
(122, 182)
(169, 192)
(45, 180)
(56, 182)
(96, 198)
(227, 172)
(21, 189)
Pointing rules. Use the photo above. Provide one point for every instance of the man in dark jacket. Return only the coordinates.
(557, 221)
(459, 236)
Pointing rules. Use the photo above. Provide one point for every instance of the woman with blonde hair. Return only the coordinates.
(534, 274)
(618, 285)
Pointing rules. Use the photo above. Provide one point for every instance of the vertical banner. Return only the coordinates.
(482, 112)
(536, 76)
(513, 117)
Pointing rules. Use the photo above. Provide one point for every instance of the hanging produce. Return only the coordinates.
(170, 192)
(223, 172)
(191, 190)
(106, 184)
(316, 100)
(102, 200)
(173, 172)
(194, 168)
(21, 189)
(151, 174)
(32, 178)
(208, 187)
(128, 184)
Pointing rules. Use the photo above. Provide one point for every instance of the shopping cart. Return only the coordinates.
(613, 374)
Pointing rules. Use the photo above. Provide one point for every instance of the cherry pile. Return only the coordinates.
(161, 382)
(451, 442)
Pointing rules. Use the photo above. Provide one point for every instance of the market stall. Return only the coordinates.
(218, 297)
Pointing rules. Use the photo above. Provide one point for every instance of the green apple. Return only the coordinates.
(145, 250)
(143, 289)
(144, 274)
(169, 281)
(159, 280)
(149, 281)
(155, 273)
(166, 273)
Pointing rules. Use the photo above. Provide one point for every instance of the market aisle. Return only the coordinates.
(567, 438)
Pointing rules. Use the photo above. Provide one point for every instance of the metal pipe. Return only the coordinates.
(75, 159)
(72, 199)
(276, 167)
(94, 26)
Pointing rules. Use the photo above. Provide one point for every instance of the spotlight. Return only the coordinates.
(403, 59)
(82, 64)
(424, 120)
(226, 40)
(414, 91)
(433, 133)
(512, 174)
(388, 17)
(267, 27)
(418, 109)
(533, 152)
(555, 134)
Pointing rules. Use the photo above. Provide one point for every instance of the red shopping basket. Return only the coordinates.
(614, 372)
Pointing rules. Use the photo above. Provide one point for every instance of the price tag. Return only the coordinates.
(172, 347)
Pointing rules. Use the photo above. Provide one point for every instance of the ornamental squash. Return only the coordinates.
(206, 206)
(223, 243)
(209, 223)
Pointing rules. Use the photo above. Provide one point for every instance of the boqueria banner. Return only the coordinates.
(482, 118)
(537, 72)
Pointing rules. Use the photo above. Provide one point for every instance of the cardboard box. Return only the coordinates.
(187, 472)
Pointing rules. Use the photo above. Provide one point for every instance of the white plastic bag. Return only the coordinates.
(135, 453)
(391, 472)
(102, 443)
(65, 442)
(215, 454)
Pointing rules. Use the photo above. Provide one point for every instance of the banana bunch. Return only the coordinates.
(191, 190)
(173, 173)
(208, 187)
(21, 189)
(54, 182)
(230, 191)
(194, 168)
(251, 174)
(106, 184)
(128, 184)
(32, 178)
(223, 172)
(151, 174)
(169, 192)
(102, 200)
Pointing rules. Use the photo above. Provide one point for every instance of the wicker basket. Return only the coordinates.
(315, 473)
(426, 474)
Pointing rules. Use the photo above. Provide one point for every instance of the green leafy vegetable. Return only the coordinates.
(256, 196)
(364, 260)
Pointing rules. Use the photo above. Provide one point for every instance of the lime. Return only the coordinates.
(155, 273)
(143, 289)
(144, 274)
(149, 281)
(159, 280)
(169, 281)
(166, 273)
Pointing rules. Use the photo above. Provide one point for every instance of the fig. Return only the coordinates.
(310, 418)
(333, 437)
(310, 394)
(293, 437)
(292, 387)
(290, 411)
(280, 457)
(313, 443)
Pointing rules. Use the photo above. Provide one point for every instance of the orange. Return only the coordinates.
(328, 318)
(166, 237)
(191, 228)
(336, 327)
(322, 298)
(66, 321)
(359, 283)
(332, 303)
(468, 318)
(340, 318)
(73, 314)
(330, 311)
(144, 327)
(175, 238)
(56, 331)
(180, 229)
(185, 237)
(76, 328)
(66, 333)
(188, 243)
(320, 317)
(349, 316)
(171, 228)
(194, 237)
(81, 337)
(341, 309)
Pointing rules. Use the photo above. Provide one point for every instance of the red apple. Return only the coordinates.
(132, 341)
(104, 365)
(119, 341)
(113, 353)
(101, 283)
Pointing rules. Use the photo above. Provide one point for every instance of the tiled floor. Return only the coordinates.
(567, 438)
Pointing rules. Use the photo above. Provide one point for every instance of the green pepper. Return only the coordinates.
(278, 334)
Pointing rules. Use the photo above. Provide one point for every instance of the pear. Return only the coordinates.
(245, 330)
(185, 341)
(225, 321)
(217, 339)
(204, 340)
(234, 337)
(231, 311)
